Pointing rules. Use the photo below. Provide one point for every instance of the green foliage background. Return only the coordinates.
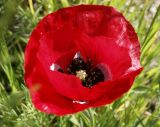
(140, 107)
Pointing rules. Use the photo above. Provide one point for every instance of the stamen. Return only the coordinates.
(81, 74)
(76, 65)
(85, 72)
(94, 77)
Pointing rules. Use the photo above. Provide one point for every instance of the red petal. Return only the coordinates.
(47, 99)
(119, 87)
(67, 85)
(70, 86)
(107, 21)
(121, 30)
(51, 22)
(105, 50)
(53, 47)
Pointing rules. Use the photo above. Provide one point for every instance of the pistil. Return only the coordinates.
(81, 74)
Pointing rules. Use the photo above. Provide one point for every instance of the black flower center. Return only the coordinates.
(88, 74)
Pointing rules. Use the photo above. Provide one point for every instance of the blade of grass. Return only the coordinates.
(144, 43)
(31, 6)
(65, 3)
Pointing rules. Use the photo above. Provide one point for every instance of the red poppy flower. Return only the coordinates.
(80, 57)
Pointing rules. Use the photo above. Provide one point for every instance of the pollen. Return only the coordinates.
(81, 74)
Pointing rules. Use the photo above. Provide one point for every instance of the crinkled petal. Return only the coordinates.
(105, 50)
(55, 49)
(47, 99)
(119, 87)
(51, 22)
(70, 86)
(67, 85)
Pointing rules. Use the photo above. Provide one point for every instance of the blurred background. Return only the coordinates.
(140, 107)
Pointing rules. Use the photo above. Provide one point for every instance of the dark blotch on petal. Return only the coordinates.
(94, 76)
(60, 70)
(76, 65)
